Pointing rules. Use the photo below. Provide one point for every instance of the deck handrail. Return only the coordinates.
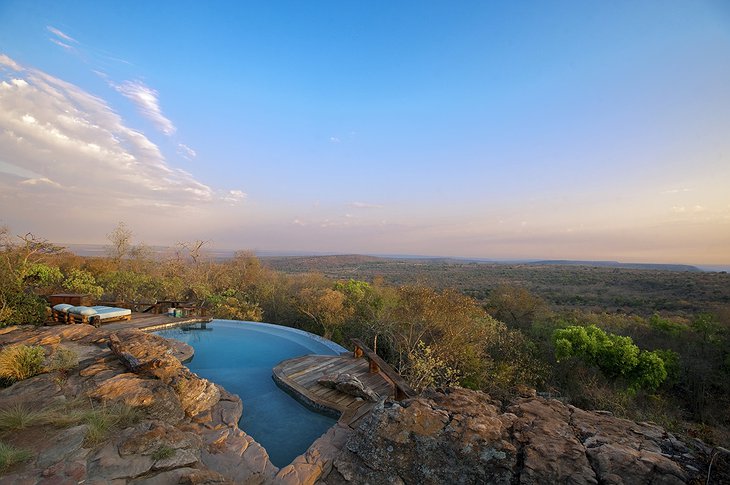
(377, 364)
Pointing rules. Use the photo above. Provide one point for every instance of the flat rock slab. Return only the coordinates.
(462, 436)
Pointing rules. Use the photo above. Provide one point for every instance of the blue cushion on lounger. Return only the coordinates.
(84, 311)
(113, 312)
(62, 307)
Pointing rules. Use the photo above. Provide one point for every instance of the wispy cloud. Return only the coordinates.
(59, 43)
(675, 191)
(186, 151)
(61, 35)
(147, 103)
(364, 205)
(8, 62)
(40, 181)
(334, 139)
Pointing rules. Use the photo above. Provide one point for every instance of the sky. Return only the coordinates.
(505, 130)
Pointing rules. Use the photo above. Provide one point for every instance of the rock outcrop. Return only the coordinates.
(187, 431)
(152, 356)
(461, 436)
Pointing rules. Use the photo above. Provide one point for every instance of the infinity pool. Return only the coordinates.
(240, 356)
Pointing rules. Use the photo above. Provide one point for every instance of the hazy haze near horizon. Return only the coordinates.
(556, 131)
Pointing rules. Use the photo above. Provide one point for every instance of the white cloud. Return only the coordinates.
(60, 34)
(234, 196)
(8, 62)
(54, 134)
(334, 139)
(675, 191)
(186, 151)
(40, 181)
(147, 103)
(364, 205)
(59, 43)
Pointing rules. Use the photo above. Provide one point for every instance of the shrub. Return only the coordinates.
(81, 281)
(20, 308)
(19, 417)
(64, 359)
(20, 362)
(10, 455)
(424, 369)
(163, 452)
(102, 421)
(614, 355)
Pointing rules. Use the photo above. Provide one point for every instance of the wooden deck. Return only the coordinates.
(299, 378)
(149, 322)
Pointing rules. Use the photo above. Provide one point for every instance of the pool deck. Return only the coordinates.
(150, 322)
(299, 377)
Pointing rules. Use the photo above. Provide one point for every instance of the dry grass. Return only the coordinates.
(10, 455)
(19, 362)
(100, 420)
(63, 359)
(163, 452)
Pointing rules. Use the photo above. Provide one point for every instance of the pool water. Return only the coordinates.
(240, 356)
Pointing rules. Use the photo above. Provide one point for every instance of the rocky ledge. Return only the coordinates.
(186, 430)
(460, 436)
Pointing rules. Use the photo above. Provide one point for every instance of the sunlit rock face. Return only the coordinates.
(462, 436)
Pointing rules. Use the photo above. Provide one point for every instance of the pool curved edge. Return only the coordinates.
(334, 347)
(299, 394)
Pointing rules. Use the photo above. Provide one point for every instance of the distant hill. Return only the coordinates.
(616, 264)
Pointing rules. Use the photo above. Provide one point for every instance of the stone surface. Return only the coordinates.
(235, 455)
(63, 445)
(182, 416)
(348, 384)
(306, 469)
(152, 356)
(461, 436)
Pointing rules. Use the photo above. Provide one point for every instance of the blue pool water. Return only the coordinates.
(240, 356)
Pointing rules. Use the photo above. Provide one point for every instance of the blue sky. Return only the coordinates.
(577, 130)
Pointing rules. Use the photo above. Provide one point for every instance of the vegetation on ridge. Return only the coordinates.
(642, 356)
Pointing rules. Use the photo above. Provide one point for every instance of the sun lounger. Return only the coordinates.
(60, 312)
(95, 315)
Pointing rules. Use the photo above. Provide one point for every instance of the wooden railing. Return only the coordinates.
(377, 364)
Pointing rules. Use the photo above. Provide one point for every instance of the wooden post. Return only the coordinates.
(358, 352)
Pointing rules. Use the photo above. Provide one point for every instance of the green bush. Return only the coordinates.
(616, 356)
(21, 308)
(81, 281)
(19, 362)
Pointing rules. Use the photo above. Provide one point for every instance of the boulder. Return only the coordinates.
(151, 396)
(348, 384)
(152, 356)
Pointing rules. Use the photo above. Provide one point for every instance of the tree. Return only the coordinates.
(194, 249)
(81, 281)
(325, 306)
(365, 304)
(24, 272)
(120, 242)
(616, 356)
(516, 306)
